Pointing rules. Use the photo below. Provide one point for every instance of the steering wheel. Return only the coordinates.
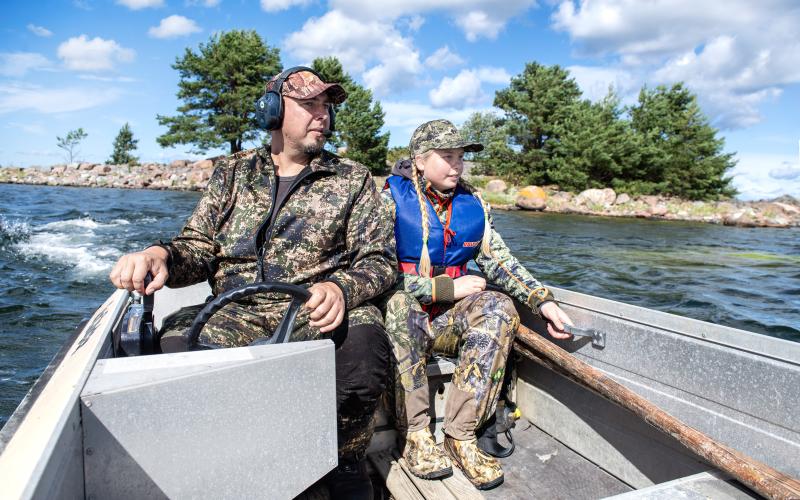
(299, 296)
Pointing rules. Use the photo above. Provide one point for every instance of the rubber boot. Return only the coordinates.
(350, 481)
(482, 470)
(424, 458)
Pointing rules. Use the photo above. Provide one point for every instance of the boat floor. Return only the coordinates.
(540, 467)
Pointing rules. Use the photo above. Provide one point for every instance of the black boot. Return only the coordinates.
(350, 481)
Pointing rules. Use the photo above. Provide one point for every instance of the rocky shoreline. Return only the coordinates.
(193, 176)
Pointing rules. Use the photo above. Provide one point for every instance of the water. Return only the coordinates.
(57, 246)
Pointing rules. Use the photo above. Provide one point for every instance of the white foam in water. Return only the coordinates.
(71, 242)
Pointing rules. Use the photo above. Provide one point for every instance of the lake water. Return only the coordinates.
(57, 246)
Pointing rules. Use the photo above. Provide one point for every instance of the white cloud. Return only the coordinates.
(278, 5)
(477, 18)
(787, 171)
(735, 55)
(17, 64)
(141, 4)
(59, 100)
(403, 117)
(752, 176)
(458, 92)
(594, 82)
(81, 54)
(443, 58)
(174, 26)
(414, 23)
(30, 128)
(359, 44)
(465, 88)
(97, 78)
(39, 30)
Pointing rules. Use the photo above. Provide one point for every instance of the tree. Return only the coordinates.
(680, 152)
(219, 85)
(539, 103)
(396, 153)
(491, 131)
(70, 142)
(596, 148)
(359, 120)
(124, 144)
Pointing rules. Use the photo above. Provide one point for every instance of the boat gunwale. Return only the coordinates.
(758, 344)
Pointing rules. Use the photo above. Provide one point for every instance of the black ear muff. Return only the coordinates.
(269, 110)
(332, 117)
(269, 107)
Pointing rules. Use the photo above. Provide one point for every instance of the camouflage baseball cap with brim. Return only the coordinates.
(440, 134)
(307, 85)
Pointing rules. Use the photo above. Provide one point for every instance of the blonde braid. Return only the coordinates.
(424, 267)
(486, 244)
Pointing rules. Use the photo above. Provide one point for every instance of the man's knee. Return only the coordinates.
(362, 362)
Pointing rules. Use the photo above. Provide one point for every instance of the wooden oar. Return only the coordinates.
(760, 477)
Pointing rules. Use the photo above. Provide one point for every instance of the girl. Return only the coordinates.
(441, 225)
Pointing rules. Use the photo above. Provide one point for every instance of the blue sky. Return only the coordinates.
(98, 64)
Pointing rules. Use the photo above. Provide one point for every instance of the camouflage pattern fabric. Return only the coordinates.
(485, 323)
(439, 134)
(329, 229)
(423, 456)
(482, 470)
(307, 85)
(500, 267)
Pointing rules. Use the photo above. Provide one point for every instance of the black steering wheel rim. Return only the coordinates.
(298, 294)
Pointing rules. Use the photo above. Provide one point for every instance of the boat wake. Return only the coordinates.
(80, 243)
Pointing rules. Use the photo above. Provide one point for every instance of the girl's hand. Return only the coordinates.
(467, 285)
(555, 317)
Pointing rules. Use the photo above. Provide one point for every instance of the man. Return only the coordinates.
(295, 213)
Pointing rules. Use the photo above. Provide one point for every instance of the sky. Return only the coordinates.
(99, 64)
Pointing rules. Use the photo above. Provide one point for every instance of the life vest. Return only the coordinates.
(450, 246)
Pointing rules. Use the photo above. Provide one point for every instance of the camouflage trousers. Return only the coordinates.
(362, 363)
(480, 329)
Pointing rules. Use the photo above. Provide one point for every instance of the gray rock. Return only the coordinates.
(178, 163)
(496, 186)
(604, 197)
(622, 199)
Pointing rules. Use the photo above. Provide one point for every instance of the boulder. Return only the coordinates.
(622, 199)
(786, 208)
(496, 186)
(658, 210)
(202, 164)
(178, 163)
(101, 169)
(58, 169)
(531, 198)
(86, 166)
(603, 197)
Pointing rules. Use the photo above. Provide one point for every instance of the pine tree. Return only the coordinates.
(539, 103)
(681, 153)
(219, 85)
(124, 144)
(491, 131)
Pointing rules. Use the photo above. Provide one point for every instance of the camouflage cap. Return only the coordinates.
(307, 85)
(439, 134)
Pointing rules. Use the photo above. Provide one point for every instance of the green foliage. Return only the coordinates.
(124, 144)
(219, 85)
(358, 120)
(549, 134)
(491, 131)
(539, 104)
(396, 153)
(681, 154)
(69, 143)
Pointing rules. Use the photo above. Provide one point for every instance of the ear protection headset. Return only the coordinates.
(269, 107)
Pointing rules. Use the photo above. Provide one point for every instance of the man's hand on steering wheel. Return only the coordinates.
(326, 305)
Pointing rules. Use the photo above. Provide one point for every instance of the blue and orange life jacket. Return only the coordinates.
(451, 245)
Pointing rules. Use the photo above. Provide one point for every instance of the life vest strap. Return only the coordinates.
(452, 271)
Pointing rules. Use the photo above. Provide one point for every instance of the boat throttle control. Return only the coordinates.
(136, 334)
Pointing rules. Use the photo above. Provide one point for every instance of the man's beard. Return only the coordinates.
(313, 150)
